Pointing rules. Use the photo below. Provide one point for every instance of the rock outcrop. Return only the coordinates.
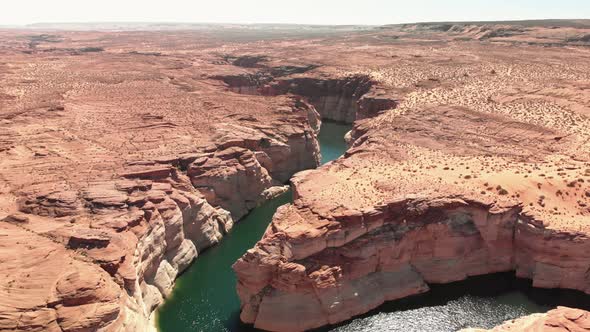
(94, 231)
(46, 289)
(249, 161)
(136, 234)
(335, 99)
(562, 319)
(468, 213)
(343, 99)
(124, 155)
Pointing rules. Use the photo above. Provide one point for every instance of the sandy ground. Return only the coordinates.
(495, 112)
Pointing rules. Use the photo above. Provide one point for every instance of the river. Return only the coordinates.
(204, 298)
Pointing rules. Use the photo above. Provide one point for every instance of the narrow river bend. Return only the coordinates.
(205, 299)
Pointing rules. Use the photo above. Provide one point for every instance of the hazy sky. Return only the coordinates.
(292, 11)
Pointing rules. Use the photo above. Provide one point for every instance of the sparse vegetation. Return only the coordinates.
(91, 49)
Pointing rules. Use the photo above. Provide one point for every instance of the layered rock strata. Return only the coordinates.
(95, 231)
(464, 210)
(98, 132)
(142, 230)
(343, 100)
(335, 99)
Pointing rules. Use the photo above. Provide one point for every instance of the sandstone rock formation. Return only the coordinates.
(114, 181)
(535, 32)
(345, 99)
(460, 180)
(466, 210)
(124, 155)
(560, 319)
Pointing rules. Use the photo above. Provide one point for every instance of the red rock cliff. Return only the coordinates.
(412, 205)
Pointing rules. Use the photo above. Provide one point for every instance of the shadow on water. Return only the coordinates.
(483, 301)
(205, 299)
(331, 139)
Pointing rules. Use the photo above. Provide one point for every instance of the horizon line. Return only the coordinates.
(29, 25)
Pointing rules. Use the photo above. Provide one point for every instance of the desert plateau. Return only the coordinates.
(257, 177)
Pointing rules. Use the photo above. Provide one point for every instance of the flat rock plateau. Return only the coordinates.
(127, 150)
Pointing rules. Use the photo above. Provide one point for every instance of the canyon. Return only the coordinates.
(125, 155)
(455, 182)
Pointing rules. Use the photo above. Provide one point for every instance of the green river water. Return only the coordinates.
(205, 299)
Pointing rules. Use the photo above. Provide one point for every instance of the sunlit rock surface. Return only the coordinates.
(124, 155)
(473, 173)
(560, 319)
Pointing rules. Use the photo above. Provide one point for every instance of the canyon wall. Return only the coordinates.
(135, 223)
(356, 260)
(412, 204)
(244, 171)
(337, 99)
(132, 236)
(124, 155)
